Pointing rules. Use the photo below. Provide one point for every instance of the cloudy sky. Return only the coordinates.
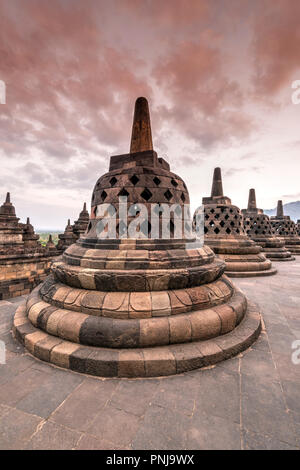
(217, 75)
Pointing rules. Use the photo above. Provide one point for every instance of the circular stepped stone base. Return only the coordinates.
(270, 272)
(136, 362)
(279, 259)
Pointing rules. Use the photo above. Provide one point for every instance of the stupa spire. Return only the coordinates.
(28, 221)
(141, 137)
(84, 206)
(7, 200)
(252, 200)
(217, 187)
(279, 212)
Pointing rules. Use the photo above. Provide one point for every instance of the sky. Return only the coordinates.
(217, 75)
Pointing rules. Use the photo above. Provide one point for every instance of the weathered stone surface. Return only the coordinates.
(143, 307)
(24, 262)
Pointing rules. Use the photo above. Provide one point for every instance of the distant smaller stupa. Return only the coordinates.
(224, 232)
(259, 228)
(286, 228)
(75, 231)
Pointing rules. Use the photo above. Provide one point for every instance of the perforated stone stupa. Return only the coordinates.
(136, 307)
(73, 232)
(24, 263)
(286, 228)
(259, 228)
(224, 232)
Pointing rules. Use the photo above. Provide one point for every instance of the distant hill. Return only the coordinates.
(292, 209)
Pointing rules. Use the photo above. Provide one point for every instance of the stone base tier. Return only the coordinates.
(242, 256)
(136, 362)
(273, 248)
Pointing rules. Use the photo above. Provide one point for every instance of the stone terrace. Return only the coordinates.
(249, 402)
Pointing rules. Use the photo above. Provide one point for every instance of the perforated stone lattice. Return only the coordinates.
(258, 224)
(223, 220)
(146, 185)
(284, 227)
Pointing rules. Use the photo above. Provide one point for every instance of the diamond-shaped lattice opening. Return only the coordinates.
(158, 209)
(182, 197)
(216, 230)
(121, 228)
(228, 230)
(217, 216)
(178, 210)
(137, 209)
(206, 216)
(103, 195)
(146, 194)
(134, 179)
(171, 227)
(146, 228)
(174, 183)
(222, 223)
(211, 223)
(212, 211)
(232, 224)
(226, 217)
(156, 181)
(205, 229)
(168, 195)
(113, 181)
(187, 227)
(111, 210)
(123, 192)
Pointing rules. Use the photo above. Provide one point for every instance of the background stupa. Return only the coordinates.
(286, 228)
(24, 263)
(224, 232)
(259, 228)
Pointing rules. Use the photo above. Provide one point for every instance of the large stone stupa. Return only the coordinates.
(259, 228)
(286, 228)
(136, 307)
(24, 262)
(224, 232)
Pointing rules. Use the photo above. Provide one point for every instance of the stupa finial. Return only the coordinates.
(84, 206)
(7, 200)
(217, 187)
(252, 200)
(141, 137)
(279, 212)
(28, 221)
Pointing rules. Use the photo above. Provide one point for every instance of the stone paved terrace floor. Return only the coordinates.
(250, 402)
